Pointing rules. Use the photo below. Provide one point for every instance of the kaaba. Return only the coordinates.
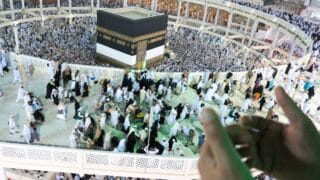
(130, 37)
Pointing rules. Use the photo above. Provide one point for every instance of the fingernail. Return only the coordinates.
(240, 146)
(254, 130)
(205, 117)
(245, 159)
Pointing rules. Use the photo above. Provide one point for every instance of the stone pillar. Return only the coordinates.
(70, 12)
(274, 43)
(229, 22)
(1, 5)
(70, 6)
(293, 46)
(92, 4)
(246, 54)
(186, 14)
(41, 8)
(12, 8)
(23, 4)
(204, 19)
(23, 7)
(16, 39)
(58, 6)
(245, 30)
(98, 4)
(254, 28)
(125, 3)
(247, 26)
(253, 31)
(2, 173)
(179, 10)
(216, 18)
(156, 5)
(152, 5)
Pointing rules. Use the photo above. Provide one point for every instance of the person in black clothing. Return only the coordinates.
(287, 69)
(85, 90)
(114, 142)
(262, 102)
(76, 107)
(275, 72)
(226, 88)
(50, 86)
(131, 142)
(89, 132)
(172, 140)
(38, 116)
(311, 92)
(55, 97)
(77, 89)
(57, 79)
(99, 141)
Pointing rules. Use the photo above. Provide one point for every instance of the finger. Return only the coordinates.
(243, 152)
(217, 138)
(214, 132)
(238, 135)
(207, 156)
(220, 145)
(245, 144)
(296, 117)
(255, 124)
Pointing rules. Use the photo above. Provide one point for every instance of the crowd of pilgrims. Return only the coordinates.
(58, 40)
(312, 29)
(75, 43)
(197, 52)
(139, 107)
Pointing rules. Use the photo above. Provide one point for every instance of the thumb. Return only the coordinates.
(296, 117)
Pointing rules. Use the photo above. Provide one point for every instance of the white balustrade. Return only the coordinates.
(58, 159)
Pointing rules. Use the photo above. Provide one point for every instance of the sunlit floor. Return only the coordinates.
(57, 132)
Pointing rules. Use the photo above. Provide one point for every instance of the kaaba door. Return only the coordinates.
(141, 54)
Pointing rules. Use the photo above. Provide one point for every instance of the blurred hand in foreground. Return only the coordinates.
(282, 151)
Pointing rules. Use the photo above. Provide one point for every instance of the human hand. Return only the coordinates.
(283, 151)
(219, 159)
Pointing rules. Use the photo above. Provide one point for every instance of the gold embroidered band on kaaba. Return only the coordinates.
(129, 38)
